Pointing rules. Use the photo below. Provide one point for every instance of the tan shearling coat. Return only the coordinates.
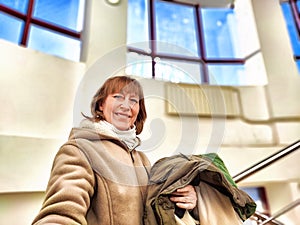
(95, 179)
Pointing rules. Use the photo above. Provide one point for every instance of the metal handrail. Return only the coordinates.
(266, 162)
(263, 164)
(259, 217)
(282, 211)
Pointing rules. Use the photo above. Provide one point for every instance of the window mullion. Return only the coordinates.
(56, 28)
(27, 23)
(201, 45)
(295, 13)
(200, 33)
(152, 34)
(12, 12)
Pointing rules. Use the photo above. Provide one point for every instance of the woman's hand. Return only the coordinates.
(185, 198)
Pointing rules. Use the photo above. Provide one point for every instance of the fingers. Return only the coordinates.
(187, 190)
(187, 206)
(184, 202)
(185, 197)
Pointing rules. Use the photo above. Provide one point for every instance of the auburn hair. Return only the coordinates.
(119, 84)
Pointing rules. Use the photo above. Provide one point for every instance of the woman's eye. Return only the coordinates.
(118, 96)
(134, 100)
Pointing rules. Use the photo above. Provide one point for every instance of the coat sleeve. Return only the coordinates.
(70, 188)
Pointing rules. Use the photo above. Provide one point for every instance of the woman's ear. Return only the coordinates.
(101, 104)
(101, 108)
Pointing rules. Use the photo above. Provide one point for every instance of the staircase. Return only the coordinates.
(260, 218)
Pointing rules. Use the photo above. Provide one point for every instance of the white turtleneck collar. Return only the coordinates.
(103, 127)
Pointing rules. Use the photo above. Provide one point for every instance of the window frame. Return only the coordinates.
(262, 197)
(29, 20)
(295, 14)
(203, 61)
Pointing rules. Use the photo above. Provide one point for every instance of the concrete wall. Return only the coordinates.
(41, 98)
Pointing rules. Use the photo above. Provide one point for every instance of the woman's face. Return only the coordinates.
(121, 109)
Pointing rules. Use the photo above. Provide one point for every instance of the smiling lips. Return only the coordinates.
(123, 115)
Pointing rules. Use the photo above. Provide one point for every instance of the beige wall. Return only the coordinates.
(38, 93)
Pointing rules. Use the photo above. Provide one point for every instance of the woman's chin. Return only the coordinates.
(122, 127)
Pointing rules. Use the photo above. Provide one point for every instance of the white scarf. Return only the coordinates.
(103, 127)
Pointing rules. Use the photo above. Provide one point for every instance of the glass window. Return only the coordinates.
(178, 71)
(138, 31)
(18, 5)
(189, 44)
(171, 21)
(220, 32)
(10, 28)
(291, 13)
(60, 12)
(222, 74)
(258, 194)
(45, 41)
(139, 65)
(52, 27)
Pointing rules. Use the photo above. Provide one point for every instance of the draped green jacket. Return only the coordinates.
(221, 201)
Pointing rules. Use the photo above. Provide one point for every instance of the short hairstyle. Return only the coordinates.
(118, 84)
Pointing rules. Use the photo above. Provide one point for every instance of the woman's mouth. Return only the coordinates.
(124, 115)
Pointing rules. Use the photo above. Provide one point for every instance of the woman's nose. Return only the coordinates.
(126, 104)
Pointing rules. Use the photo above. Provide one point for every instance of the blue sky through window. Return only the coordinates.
(219, 25)
(10, 28)
(208, 43)
(62, 15)
(138, 31)
(61, 12)
(19, 5)
(292, 29)
(291, 26)
(177, 26)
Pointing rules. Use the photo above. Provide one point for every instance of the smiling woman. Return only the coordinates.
(99, 164)
(115, 93)
(121, 110)
(98, 176)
